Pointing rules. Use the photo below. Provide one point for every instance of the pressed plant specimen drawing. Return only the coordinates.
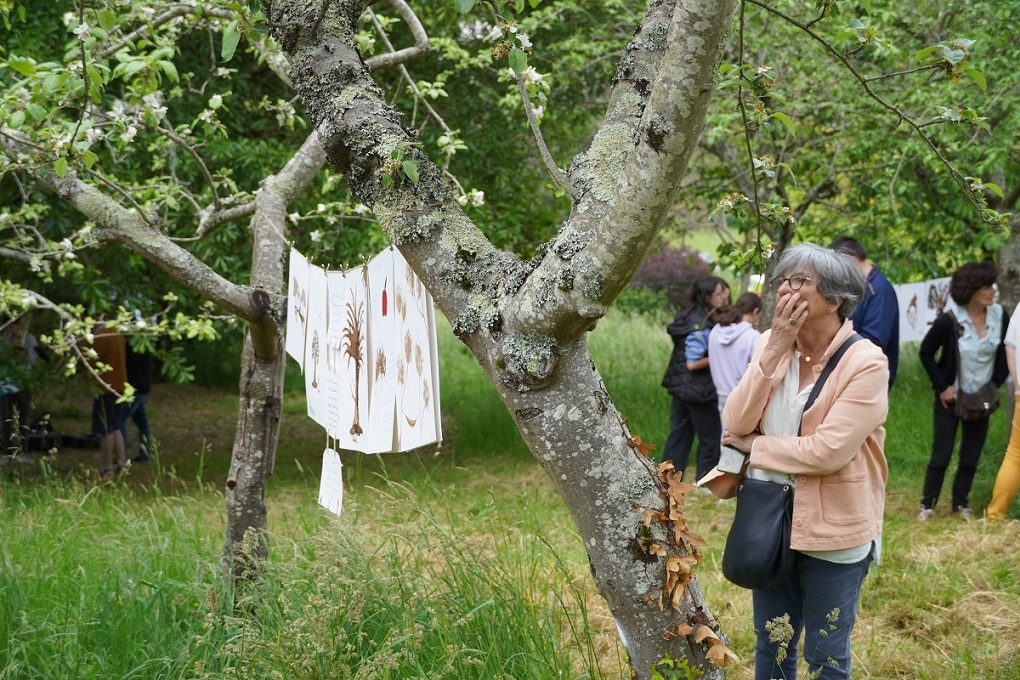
(353, 346)
(315, 359)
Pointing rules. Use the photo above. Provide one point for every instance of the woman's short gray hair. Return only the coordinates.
(837, 276)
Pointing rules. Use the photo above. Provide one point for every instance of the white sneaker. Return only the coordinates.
(925, 514)
(961, 512)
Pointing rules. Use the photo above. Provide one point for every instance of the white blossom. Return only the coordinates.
(539, 112)
(207, 116)
(215, 101)
(360, 209)
(462, 199)
(525, 42)
(530, 75)
(294, 217)
(68, 18)
(129, 134)
(474, 30)
(476, 197)
(82, 31)
(321, 207)
(119, 111)
(316, 236)
(221, 72)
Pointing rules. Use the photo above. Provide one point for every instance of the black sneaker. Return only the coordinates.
(142, 458)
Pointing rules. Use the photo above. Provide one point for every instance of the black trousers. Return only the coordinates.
(687, 419)
(944, 426)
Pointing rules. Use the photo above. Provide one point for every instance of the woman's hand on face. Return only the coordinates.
(791, 312)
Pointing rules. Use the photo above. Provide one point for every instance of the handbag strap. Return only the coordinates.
(829, 367)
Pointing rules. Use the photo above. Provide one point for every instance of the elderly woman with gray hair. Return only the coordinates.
(831, 454)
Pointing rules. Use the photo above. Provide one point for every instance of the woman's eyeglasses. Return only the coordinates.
(796, 281)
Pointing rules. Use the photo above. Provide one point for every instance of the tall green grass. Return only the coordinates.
(106, 582)
(456, 562)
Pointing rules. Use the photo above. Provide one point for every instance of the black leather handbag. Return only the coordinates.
(758, 554)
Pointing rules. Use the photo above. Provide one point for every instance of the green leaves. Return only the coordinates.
(60, 167)
(410, 169)
(464, 6)
(518, 61)
(785, 120)
(24, 66)
(953, 52)
(231, 38)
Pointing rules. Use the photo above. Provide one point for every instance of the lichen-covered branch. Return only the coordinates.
(627, 179)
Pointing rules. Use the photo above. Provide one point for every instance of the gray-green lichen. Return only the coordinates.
(528, 359)
(594, 287)
(570, 242)
(608, 156)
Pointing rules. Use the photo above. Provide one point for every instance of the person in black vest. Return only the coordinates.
(972, 329)
(694, 409)
(139, 376)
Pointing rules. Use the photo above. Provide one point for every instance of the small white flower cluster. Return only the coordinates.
(478, 30)
(474, 197)
(154, 105)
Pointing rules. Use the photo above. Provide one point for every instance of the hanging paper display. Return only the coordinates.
(416, 389)
(331, 484)
(297, 307)
(370, 354)
(315, 347)
(380, 435)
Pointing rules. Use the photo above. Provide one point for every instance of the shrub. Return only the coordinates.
(672, 271)
(640, 300)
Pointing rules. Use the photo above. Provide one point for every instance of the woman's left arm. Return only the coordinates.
(858, 411)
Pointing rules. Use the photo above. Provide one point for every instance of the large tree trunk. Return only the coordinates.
(579, 437)
(527, 322)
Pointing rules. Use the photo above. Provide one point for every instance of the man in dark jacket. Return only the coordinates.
(877, 315)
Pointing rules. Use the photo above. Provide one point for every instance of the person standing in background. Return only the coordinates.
(1007, 481)
(877, 317)
(693, 411)
(139, 376)
(731, 344)
(107, 359)
(968, 339)
(17, 355)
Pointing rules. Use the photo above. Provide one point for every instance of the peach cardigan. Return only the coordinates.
(838, 460)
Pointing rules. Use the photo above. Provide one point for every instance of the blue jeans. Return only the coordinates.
(135, 412)
(685, 420)
(814, 591)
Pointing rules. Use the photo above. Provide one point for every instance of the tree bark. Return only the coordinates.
(245, 545)
(526, 323)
